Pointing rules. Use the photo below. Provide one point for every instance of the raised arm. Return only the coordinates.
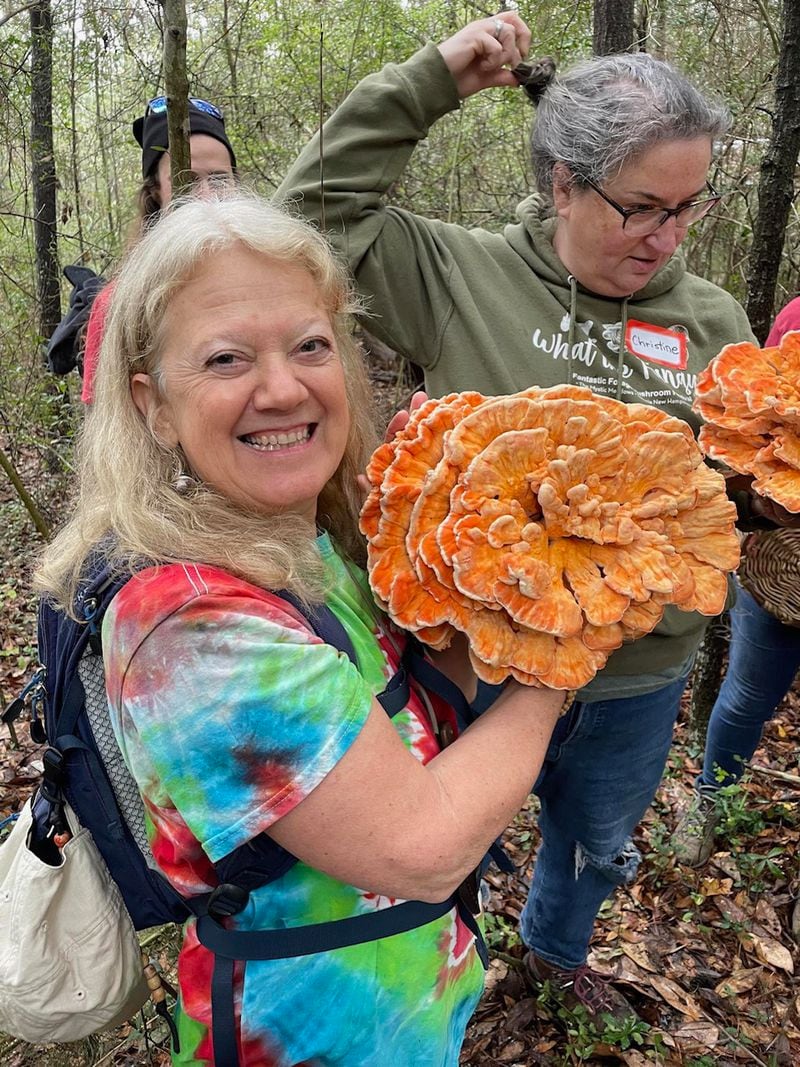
(401, 261)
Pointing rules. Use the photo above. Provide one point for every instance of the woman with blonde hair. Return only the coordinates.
(218, 468)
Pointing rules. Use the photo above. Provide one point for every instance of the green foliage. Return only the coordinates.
(501, 934)
(659, 856)
(277, 67)
(738, 819)
(585, 1034)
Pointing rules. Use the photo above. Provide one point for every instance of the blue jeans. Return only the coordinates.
(764, 657)
(601, 771)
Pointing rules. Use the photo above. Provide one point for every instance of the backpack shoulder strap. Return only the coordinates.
(328, 628)
(324, 624)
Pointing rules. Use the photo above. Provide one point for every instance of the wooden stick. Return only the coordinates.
(779, 776)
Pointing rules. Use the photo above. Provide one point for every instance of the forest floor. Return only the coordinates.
(707, 957)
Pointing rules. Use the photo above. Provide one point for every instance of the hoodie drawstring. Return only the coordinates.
(573, 321)
(573, 318)
(621, 357)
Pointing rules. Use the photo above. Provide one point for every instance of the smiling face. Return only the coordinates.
(252, 386)
(589, 237)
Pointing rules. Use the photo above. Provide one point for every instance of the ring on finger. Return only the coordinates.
(499, 26)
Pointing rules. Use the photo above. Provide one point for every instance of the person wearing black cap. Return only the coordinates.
(76, 340)
(212, 156)
(212, 160)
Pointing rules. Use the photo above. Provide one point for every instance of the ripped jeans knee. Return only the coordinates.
(619, 868)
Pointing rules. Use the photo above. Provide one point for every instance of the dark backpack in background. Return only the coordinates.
(64, 349)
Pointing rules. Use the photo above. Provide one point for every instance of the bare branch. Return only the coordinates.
(10, 14)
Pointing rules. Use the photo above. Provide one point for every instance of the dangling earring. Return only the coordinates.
(184, 484)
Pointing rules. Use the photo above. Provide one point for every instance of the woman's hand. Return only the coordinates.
(399, 421)
(396, 424)
(479, 56)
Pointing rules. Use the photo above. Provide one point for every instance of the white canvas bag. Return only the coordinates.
(70, 962)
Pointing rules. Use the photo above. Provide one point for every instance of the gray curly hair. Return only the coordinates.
(607, 111)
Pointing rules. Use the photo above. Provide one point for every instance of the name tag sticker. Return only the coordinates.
(656, 344)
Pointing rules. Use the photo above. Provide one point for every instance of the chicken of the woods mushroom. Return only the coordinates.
(548, 526)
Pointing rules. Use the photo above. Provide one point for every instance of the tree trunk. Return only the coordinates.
(613, 27)
(231, 53)
(176, 85)
(659, 49)
(43, 172)
(643, 28)
(76, 183)
(776, 185)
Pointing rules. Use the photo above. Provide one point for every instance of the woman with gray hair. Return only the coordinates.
(584, 288)
(219, 467)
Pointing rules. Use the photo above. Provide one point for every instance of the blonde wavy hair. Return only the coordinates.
(127, 502)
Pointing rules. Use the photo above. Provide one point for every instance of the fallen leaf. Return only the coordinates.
(675, 996)
(522, 1014)
(714, 887)
(640, 956)
(768, 917)
(781, 1049)
(498, 970)
(512, 1051)
(633, 1058)
(625, 970)
(739, 982)
(700, 1034)
(773, 952)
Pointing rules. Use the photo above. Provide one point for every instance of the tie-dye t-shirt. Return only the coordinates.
(229, 710)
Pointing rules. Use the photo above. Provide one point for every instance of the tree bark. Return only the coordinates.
(776, 184)
(176, 85)
(613, 27)
(76, 182)
(43, 172)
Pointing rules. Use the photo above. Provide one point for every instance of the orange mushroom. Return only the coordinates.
(549, 527)
(750, 401)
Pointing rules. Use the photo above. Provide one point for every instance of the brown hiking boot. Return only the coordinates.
(581, 988)
(694, 836)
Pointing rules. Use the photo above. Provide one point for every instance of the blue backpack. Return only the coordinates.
(83, 765)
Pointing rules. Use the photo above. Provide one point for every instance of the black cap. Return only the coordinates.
(150, 132)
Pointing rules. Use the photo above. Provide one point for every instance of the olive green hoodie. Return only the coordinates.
(499, 312)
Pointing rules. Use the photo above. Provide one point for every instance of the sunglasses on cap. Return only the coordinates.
(158, 106)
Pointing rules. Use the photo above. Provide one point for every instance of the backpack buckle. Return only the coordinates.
(226, 900)
(53, 762)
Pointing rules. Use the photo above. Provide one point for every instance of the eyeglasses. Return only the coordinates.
(158, 106)
(642, 221)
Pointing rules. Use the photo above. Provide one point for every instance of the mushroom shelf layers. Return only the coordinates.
(750, 401)
(549, 527)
